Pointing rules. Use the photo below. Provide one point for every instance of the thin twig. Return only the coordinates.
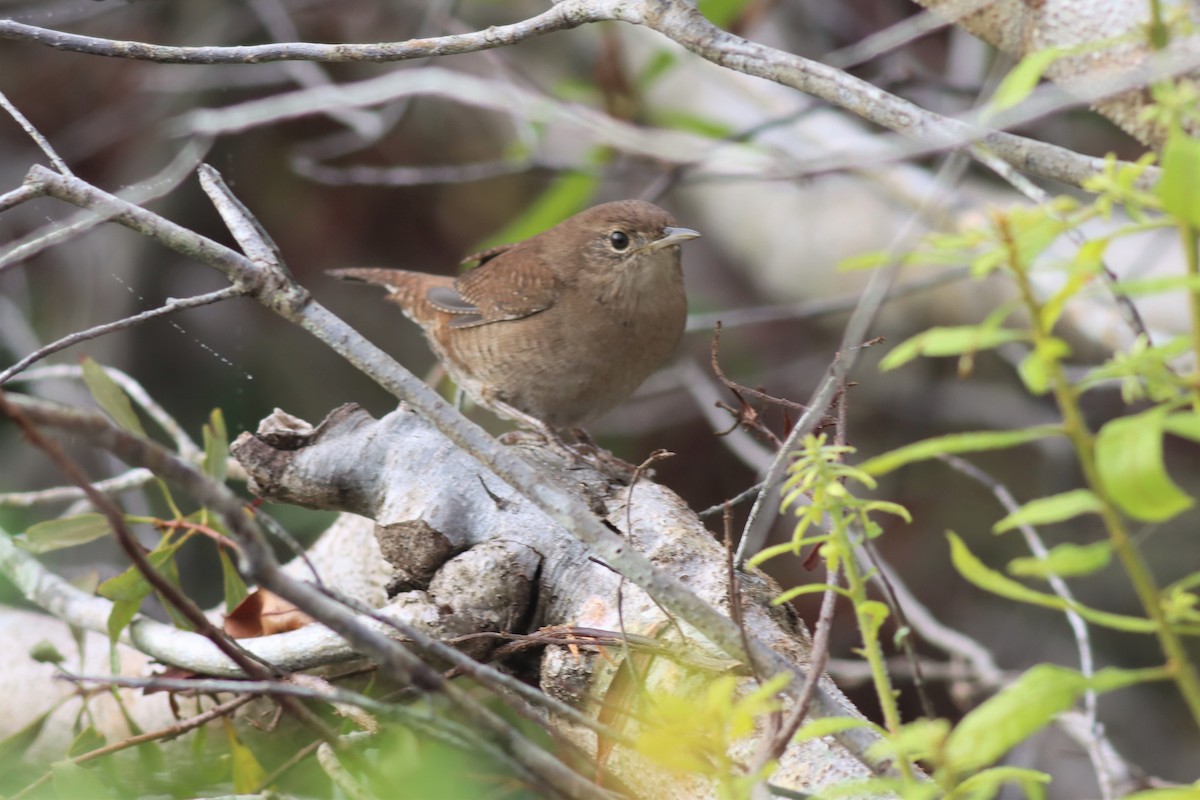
(754, 533)
(1097, 745)
(162, 734)
(40, 140)
(246, 660)
(170, 307)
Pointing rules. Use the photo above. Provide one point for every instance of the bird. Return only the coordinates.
(558, 329)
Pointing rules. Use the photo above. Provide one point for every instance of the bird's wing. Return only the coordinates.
(510, 284)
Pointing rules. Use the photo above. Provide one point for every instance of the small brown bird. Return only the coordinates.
(560, 328)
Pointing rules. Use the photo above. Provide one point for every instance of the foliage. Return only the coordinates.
(1125, 477)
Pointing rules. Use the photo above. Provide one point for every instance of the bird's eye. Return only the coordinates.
(619, 240)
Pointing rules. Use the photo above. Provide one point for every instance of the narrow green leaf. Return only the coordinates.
(1049, 510)
(1130, 462)
(248, 773)
(1008, 718)
(123, 612)
(235, 587)
(997, 583)
(73, 782)
(953, 341)
(988, 782)
(864, 261)
(130, 584)
(56, 534)
(657, 66)
(1180, 177)
(569, 193)
(111, 397)
(128, 589)
(955, 443)
(1022, 79)
(85, 741)
(1064, 560)
(1111, 679)
(1140, 287)
(170, 571)
(1185, 424)
(721, 12)
(921, 738)
(216, 446)
(1035, 373)
(13, 747)
(1037, 368)
(692, 123)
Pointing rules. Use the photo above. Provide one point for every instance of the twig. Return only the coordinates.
(170, 307)
(678, 21)
(737, 499)
(295, 304)
(151, 188)
(1097, 745)
(162, 734)
(247, 661)
(815, 309)
(132, 479)
(40, 140)
(873, 297)
(184, 445)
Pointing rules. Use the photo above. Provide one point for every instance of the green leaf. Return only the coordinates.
(1037, 368)
(1022, 79)
(986, 784)
(216, 447)
(1035, 374)
(1064, 560)
(131, 584)
(56, 534)
(919, 739)
(1111, 679)
(721, 12)
(248, 774)
(1180, 177)
(949, 342)
(955, 443)
(1185, 424)
(568, 194)
(235, 587)
(1049, 510)
(1008, 718)
(997, 583)
(111, 397)
(87, 740)
(692, 123)
(13, 747)
(123, 612)
(128, 589)
(1130, 462)
(1140, 287)
(658, 65)
(73, 782)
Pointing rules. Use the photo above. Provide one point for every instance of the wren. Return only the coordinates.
(560, 328)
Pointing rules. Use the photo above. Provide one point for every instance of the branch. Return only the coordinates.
(679, 22)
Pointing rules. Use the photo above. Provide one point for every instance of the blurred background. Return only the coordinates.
(478, 149)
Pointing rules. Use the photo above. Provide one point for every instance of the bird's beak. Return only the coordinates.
(671, 236)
